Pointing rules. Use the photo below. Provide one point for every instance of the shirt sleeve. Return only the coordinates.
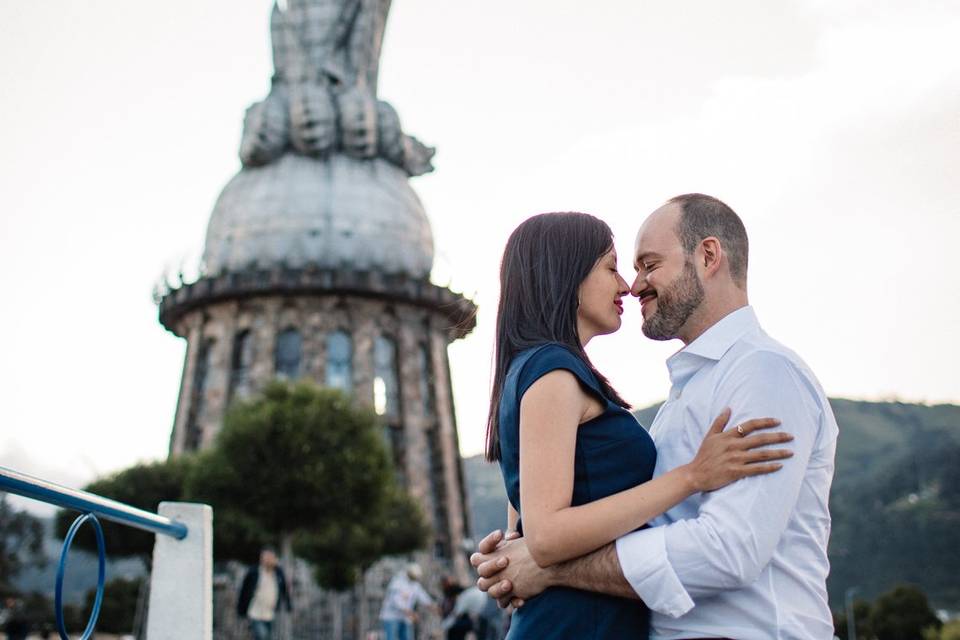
(738, 527)
(422, 596)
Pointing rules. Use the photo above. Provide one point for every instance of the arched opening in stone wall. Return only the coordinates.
(241, 360)
(193, 433)
(339, 364)
(288, 354)
(386, 399)
(427, 382)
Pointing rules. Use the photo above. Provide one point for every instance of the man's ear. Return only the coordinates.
(710, 255)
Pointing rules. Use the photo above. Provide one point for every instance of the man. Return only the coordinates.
(404, 594)
(263, 590)
(14, 620)
(473, 612)
(748, 561)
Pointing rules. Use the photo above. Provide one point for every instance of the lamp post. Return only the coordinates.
(851, 620)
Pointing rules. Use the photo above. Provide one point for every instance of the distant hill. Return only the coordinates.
(485, 496)
(895, 500)
(81, 573)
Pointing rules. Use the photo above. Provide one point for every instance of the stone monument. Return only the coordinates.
(317, 262)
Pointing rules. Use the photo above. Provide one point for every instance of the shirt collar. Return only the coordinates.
(712, 344)
(717, 340)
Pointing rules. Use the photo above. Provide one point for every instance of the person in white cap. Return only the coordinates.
(404, 595)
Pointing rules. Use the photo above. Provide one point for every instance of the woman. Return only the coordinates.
(576, 464)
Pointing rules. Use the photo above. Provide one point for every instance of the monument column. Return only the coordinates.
(320, 233)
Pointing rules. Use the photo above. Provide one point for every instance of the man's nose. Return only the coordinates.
(639, 284)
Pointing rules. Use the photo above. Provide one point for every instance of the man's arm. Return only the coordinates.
(508, 572)
(738, 528)
(284, 589)
(727, 545)
(597, 571)
(246, 594)
(422, 597)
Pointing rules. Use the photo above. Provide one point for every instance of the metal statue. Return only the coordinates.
(323, 98)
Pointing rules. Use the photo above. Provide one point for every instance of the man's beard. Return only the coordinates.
(675, 304)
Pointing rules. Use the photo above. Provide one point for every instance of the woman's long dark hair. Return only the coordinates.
(545, 261)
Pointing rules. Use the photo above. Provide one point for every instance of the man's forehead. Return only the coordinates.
(658, 230)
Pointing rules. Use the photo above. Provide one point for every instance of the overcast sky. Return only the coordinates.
(833, 128)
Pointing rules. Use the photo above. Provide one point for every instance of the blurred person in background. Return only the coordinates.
(473, 612)
(450, 589)
(263, 592)
(404, 594)
(14, 619)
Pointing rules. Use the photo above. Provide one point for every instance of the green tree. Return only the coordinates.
(902, 614)
(21, 543)
(38, 610)
(861, 614)
(949, 631)
(119, 605)
(143, 486)
(304, 466)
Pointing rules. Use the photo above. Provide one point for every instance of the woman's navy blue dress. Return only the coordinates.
(613, 453)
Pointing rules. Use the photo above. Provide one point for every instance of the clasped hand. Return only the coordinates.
(507, 571)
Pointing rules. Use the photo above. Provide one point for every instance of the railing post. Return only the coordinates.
(181, 583)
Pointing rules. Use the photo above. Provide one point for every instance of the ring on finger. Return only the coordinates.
(740, 430)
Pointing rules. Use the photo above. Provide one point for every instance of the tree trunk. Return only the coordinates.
(289, 568)
(140, 615)
(336, 598)
(360, 610)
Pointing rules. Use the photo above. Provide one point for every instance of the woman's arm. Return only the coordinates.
(512, 518)
(551, 411)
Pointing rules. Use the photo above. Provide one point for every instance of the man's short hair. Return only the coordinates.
(703, 216)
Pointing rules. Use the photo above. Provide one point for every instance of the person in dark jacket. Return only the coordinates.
(262, 593)
(14, 620)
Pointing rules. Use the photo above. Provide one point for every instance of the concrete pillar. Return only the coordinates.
(361, 317)
(221, 327)
(181, 583)
(417, 469)
(446, 415)
(193, 327)
(314, 338)
(265, 336)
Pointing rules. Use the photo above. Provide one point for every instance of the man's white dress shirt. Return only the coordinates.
(748, 561)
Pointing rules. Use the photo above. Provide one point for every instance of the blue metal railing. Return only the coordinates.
(91, 507)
